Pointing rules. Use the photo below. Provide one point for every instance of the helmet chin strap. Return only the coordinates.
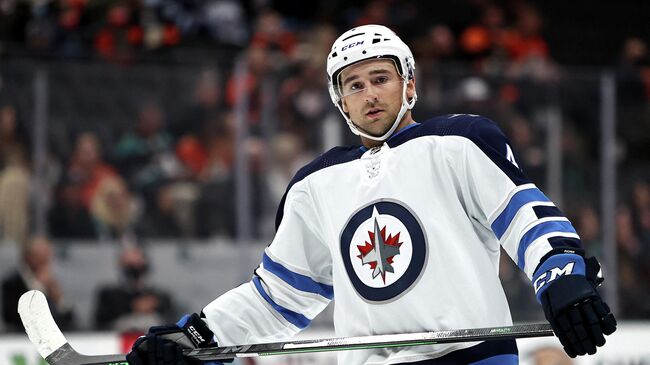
(406, 105)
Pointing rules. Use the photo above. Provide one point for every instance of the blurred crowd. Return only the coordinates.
(170, 170)
(130, 304)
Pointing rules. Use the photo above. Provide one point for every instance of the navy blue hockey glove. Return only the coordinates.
(565, 285)
(163, 345)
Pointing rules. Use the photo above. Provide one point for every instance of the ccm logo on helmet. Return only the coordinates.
(351, 45)
(553, 274)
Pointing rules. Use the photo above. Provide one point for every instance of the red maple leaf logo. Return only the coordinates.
(380, 255)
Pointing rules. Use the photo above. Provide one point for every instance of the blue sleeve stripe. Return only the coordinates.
(294, 318)
(538, 231)
(521, 198)
(298, 281)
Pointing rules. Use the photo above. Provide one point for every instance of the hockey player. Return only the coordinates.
(405, 232)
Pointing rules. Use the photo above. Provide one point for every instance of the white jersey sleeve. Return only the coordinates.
(525, 221)
(290, 287)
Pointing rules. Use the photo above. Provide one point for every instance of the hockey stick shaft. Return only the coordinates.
(370, 342)
(52, 345)
(339, 344)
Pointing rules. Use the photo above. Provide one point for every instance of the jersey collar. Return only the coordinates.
(399, 132)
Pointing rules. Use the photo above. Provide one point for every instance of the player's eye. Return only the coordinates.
(356, 86)
(381, 80)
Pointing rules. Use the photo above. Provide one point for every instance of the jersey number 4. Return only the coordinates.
(511, 156)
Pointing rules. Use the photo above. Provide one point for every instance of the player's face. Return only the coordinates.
(372, 94)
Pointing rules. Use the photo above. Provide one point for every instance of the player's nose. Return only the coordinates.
(371, 94)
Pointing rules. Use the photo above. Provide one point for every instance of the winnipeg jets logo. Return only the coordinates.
(380, 251)
(383, 249)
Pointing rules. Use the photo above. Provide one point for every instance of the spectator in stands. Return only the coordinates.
(270, 50)
(485, 38)
(641, 208)
(532, 157)
(439, 44)
(588, 224)
(35, 272)
(87, 168)
(631, 88)
(145, 155)
(634, 228)
(375, 12)
(634, 296)
(272, 35)
(14, 199)
(527, 41)
(259, 64)
(632, 96)
(219, 142)
(315, 44)
(164, 218)
(627, 240)
(439, 50)
(101, 191)
(206, 104)
(14, 138)
(580, 178)
(212, 158)
(287, 155)
(215, 209)
(69, 217)
(120, 35)
(527, 47)
(303, 102)
(225, 21)
(113, 209)
(141, 152)
(205, 204)
(153, 32)
(132, 304)
(70, 23)
(40, 30)
(474, 95)
(14, 178)
(14, 16)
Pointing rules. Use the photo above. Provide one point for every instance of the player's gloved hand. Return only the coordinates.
(163, 345)
(566, 287)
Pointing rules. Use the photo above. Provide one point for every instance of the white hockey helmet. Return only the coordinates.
(363, 43)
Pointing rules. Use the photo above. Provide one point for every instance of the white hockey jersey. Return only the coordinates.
(405, 237)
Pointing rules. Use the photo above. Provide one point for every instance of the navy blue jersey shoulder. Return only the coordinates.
(335, 156)
(483, 132)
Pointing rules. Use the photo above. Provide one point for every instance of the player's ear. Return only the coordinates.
(344, 105)
(410, 88)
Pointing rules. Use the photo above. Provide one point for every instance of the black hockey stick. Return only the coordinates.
(55, 349)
